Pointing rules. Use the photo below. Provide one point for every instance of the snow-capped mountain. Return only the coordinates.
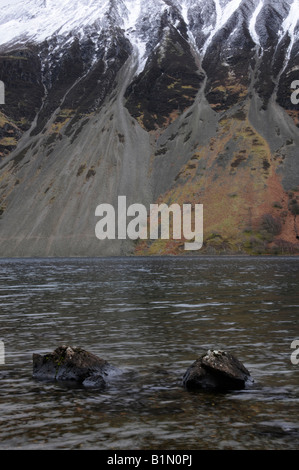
(40, 20)
(154, 99)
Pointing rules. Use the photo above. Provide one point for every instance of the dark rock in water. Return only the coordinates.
(71, 364)
(217, 370)
(94, 381)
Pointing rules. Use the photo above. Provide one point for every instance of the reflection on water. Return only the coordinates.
(151, 317)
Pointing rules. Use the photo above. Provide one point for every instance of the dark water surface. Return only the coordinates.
(151, 317)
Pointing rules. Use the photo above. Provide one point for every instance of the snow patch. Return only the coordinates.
(252, 23)
(222, 17)
(38, 20)
(290, 22)
(133, 13)
(131, 23)
(185, 13)
(288, 27)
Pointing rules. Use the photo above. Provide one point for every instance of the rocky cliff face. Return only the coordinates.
(160, 101)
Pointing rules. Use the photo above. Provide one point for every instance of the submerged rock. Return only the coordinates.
(217, 370)
(71, 364)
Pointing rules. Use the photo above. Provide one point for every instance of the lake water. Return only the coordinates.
(150, 317)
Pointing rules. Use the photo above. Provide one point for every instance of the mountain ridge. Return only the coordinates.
(160, 101)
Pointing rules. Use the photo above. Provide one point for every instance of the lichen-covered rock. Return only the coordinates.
(217, 370)
(71, 364)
